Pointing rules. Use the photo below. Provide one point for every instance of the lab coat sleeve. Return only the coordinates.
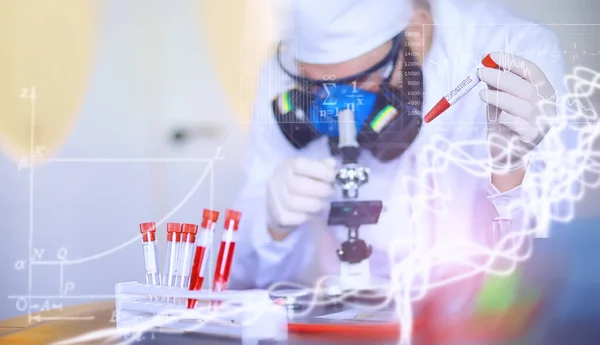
(259, 260)
(541, 46)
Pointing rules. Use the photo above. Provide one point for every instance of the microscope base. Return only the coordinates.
(355, 276)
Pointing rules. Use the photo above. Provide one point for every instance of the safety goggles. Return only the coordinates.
(385, 67)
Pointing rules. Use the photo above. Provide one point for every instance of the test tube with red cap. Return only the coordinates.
(173, 238)
(226, 250)
(177, 249)
(148, 231)
(209, 218)
(188, 238)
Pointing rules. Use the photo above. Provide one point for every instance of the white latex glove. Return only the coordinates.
(521, 109)
(298, 189)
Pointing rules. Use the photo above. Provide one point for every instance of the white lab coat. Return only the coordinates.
(464, 204)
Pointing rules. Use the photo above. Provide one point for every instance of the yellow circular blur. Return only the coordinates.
(241, 34)
(47, 49)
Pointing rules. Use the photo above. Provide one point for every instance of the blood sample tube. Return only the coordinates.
(173, 236)
(148, 231)
(209, 218)
(188, 238)
(226, 250)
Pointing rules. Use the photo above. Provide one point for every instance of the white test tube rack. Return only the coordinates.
(249, 315)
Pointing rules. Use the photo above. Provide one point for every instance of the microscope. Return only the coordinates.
(354, 253)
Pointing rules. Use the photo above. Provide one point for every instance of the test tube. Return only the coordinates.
(173, 236)
(188, 237)
(209, 218)
(226, 250)
(177, 247)
(148, 231)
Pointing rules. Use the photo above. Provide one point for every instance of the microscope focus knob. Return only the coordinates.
(354, 251)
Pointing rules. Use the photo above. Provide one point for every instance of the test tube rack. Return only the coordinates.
(249, 315)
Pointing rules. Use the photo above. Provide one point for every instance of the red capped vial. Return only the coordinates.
(226, 250)
(148, 231)
(188, 238)
(173, 238)
(209, 218)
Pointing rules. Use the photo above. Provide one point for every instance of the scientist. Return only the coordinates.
(401, 55)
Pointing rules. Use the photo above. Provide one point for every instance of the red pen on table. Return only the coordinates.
(466, 85)
(226, 251)
(209, 218)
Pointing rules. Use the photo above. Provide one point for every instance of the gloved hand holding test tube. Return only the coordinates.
(521, 107)
(466, 85)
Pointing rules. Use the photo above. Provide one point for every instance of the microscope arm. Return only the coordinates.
(351, 175)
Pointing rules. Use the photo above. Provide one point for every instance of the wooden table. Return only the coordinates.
(20, 331)
(57, 325)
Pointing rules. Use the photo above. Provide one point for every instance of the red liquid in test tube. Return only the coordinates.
(466, 85)
(148, 231)
(226, 250)
(209, 218)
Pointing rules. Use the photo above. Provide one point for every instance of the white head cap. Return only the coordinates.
(332, 31)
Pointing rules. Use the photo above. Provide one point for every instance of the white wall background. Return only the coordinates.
(139, 91)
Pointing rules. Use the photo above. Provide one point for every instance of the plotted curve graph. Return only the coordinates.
(31, 303)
